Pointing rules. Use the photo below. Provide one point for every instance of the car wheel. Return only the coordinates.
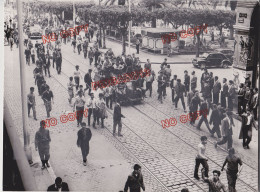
(225, 65)
(202, 65)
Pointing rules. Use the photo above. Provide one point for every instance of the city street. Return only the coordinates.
(166, 155)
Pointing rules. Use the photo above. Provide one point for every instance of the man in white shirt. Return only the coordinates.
(79, 106)
(201, 158)
(91, 106)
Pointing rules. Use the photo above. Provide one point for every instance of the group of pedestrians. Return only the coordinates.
(234, 168)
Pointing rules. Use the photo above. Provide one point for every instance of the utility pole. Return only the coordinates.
(73, 14)
(100, 39)
(26, 134)
(130, 25)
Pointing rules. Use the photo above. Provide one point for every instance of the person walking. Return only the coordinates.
(149, 82)
(54, 56)
(246, 128)
(161, 85)
(47, 65)
(79, 107)
(231, 95)
(58, 185)
(91, 105)
(42, 144)
(47, 97)
(88, 80)
(201, 158)
(226, 130)
(73, 43)
(117, 119)
(180, 90)
(194, 104)
(27, 53)
(33, 55)
(173, 85)
(215, 118)
(137, 44)
(186, 81)
(224, 93)
(240, 99)
(232, 161)
(77, 77)
(216, 91)
(70, 89)
(204, 111)
(135, 181)
(84, 136)
(90, 55)
(58, 61)
(193, 82)
(31, 103)
(85, 48)
(215, 185)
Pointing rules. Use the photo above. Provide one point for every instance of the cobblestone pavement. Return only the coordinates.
(166, 155)
(217, 159)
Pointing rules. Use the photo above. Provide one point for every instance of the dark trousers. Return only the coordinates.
(182, 101)
(137, 49)
(173, 94)
(79, 114)
(47, 70)
(119, 123)
(232, 178)
(193, 116)
(226, 139)
(79, 48)
(230, 103)
(76, 79)
(216, 129)
(96, 114)
(33, 58)
(161, 90)
(85, 54)
(223, 101)
(90, 111)
(84, 150)
(58, 67)
(53, 61)
(28, 60)
(203, 119)
(109, 101)
(246, 138)
(240, 107)
(44, 152)
(90, 60)
(33, 109)
(187, 88)
(149, 87)
(215, 98)
(88, 87)
(204, 163)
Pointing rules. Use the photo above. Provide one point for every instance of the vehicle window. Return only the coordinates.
(211, 56)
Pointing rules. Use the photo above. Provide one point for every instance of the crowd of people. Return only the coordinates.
(213, 95)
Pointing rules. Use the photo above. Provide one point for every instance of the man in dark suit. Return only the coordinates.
(88, 81)
(193, 83)
(58, 186)
(231, 95)
(194, 104)
(117, 119)
(204, 111)
(216, 90)
(84, 136)
(187, 81)
(203, 79)
(135, 180)
(215, 118)
(224, 93)
(240, 98)
(172, 85)
(180, 90)
(161, 85)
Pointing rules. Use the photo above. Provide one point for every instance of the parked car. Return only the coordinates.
(228, 53)
(35, 32)
(207, 60)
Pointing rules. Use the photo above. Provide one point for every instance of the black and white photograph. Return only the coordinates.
(130, 95)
